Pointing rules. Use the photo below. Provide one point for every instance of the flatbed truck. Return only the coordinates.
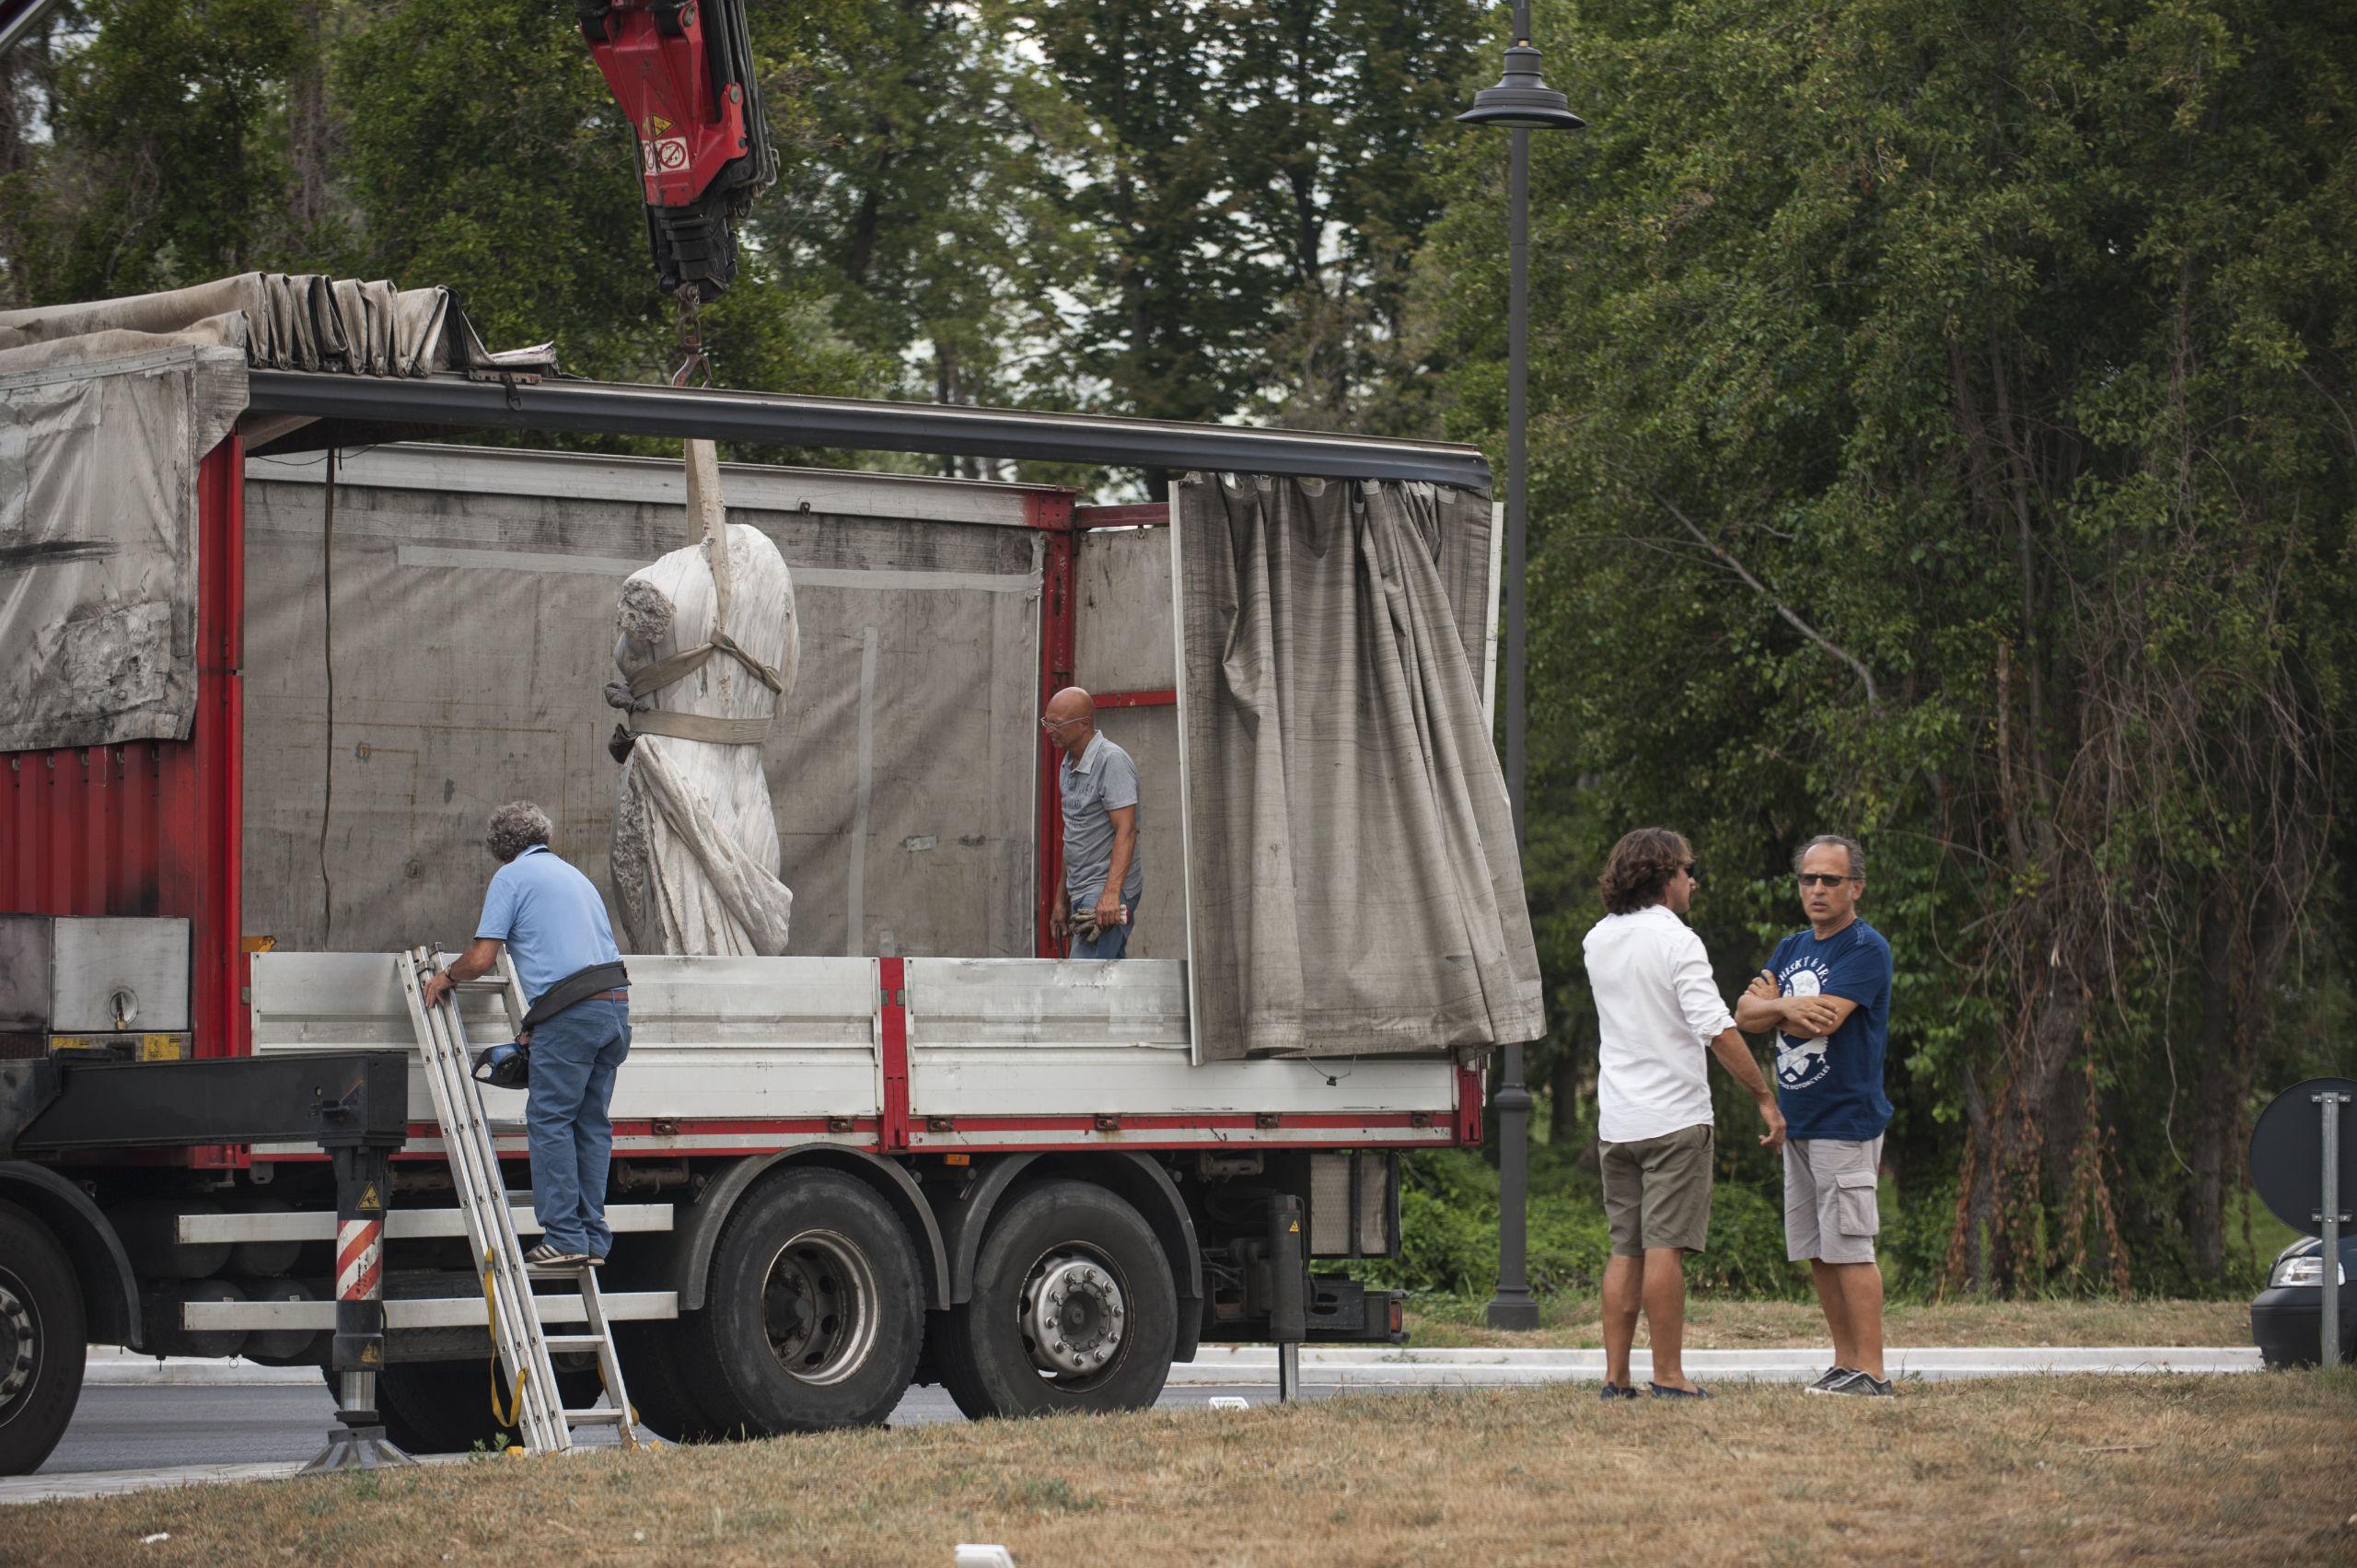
(931, 1150)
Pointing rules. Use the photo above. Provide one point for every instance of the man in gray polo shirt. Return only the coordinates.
(1103, 876)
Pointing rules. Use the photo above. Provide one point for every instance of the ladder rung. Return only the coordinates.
(560, 1343)
(601, 1416)
(482, 982)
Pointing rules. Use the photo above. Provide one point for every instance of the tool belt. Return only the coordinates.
(578, 986)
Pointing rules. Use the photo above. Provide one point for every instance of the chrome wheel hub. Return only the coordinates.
(819, 1307)
(19, 1344)
(1072, 1315)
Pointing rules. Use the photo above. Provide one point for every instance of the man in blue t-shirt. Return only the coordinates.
(552, 923)
(1826, 995)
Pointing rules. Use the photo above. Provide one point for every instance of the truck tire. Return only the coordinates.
(444, 1406)
(433, 1407)
(41, 1331)
(813, 1313)
(667, 1401)
(1074, 1309)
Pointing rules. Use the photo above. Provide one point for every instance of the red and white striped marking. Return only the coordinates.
(359, 1259)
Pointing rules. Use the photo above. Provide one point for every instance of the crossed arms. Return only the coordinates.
(1759, 1009)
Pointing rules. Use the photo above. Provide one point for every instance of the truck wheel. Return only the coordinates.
(813, 1316)
(665, 1401)
(1074, 1309)
(41, 1332)
(444, 1406)
(440, 1407)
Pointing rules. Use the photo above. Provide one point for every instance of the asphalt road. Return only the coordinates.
(130, 1429)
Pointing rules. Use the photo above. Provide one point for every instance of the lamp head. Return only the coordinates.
(1521, 100)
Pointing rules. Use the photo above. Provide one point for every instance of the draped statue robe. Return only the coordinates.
(708, 646)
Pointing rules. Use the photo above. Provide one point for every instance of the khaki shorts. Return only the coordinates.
(1831, 1212)
(1657, 1192)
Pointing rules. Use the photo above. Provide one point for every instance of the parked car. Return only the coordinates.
(2286, 1318)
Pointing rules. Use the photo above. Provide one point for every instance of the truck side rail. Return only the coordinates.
(736, 1055)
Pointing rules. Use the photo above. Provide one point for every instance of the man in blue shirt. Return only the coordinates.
(553, 922)
(1827, 994)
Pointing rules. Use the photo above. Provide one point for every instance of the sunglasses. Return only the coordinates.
(1057, 724)
(1824, 879)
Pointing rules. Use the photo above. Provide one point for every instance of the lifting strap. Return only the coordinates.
(697, 727)
(682, 665)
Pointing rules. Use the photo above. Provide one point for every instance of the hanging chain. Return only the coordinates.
(697, 363)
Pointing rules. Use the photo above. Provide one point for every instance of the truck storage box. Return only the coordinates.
(63, 974)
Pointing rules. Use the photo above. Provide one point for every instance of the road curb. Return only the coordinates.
(118, 1366)
(1378, 1366)
(1338, 1367)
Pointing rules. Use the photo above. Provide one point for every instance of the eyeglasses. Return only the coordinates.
(1824, 879)
(1046, 722)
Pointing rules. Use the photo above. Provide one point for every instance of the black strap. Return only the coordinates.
(578, 986)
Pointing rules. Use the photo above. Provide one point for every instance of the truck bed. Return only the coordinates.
(741, 1054)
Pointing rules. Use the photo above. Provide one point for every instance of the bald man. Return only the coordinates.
(1102, 875)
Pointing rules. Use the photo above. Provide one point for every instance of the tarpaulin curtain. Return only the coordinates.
(282, 320)
(97, 542)
(1353, 882)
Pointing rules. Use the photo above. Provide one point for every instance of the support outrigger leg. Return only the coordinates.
(363, 1181)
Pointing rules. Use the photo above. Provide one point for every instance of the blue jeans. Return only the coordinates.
(1111, 942)
(575, 1056)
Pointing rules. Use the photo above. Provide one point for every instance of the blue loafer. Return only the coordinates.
(1660, 1392)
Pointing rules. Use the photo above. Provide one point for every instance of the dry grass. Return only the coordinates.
(2094, 1470)
(1722, 1324)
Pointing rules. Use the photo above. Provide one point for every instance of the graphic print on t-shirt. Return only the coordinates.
(1832, 1088)
(1800, 1062)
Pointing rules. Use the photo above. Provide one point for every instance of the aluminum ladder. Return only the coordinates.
(524, 1346)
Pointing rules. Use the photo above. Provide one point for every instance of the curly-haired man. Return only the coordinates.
(1658, 1009)
(550, 917)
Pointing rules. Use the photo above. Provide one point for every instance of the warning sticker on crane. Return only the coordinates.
(668, 155)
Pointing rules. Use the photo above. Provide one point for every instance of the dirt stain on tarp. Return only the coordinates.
(53, 552)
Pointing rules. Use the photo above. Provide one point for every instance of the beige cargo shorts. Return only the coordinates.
(1831, 1213)
(1657, 1191)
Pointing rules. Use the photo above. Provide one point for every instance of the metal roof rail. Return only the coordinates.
(358, 409)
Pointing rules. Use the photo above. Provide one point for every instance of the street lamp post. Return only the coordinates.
(1522, 103)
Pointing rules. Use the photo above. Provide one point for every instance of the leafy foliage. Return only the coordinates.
(1940, 439)
(1943, 433)
(1448, 1228)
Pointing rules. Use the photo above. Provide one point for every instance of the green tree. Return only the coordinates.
(911, 203)
(483, 151)
(1171, 308)
(168, 164)
(1339, 106)
(1940, 436)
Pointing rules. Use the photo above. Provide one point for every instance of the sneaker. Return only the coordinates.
(1614, 1391)
(1826, 1378)
(545, 1256)
(1861, 1383)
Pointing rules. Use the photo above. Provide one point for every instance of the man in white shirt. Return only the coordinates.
(1658, 1008)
